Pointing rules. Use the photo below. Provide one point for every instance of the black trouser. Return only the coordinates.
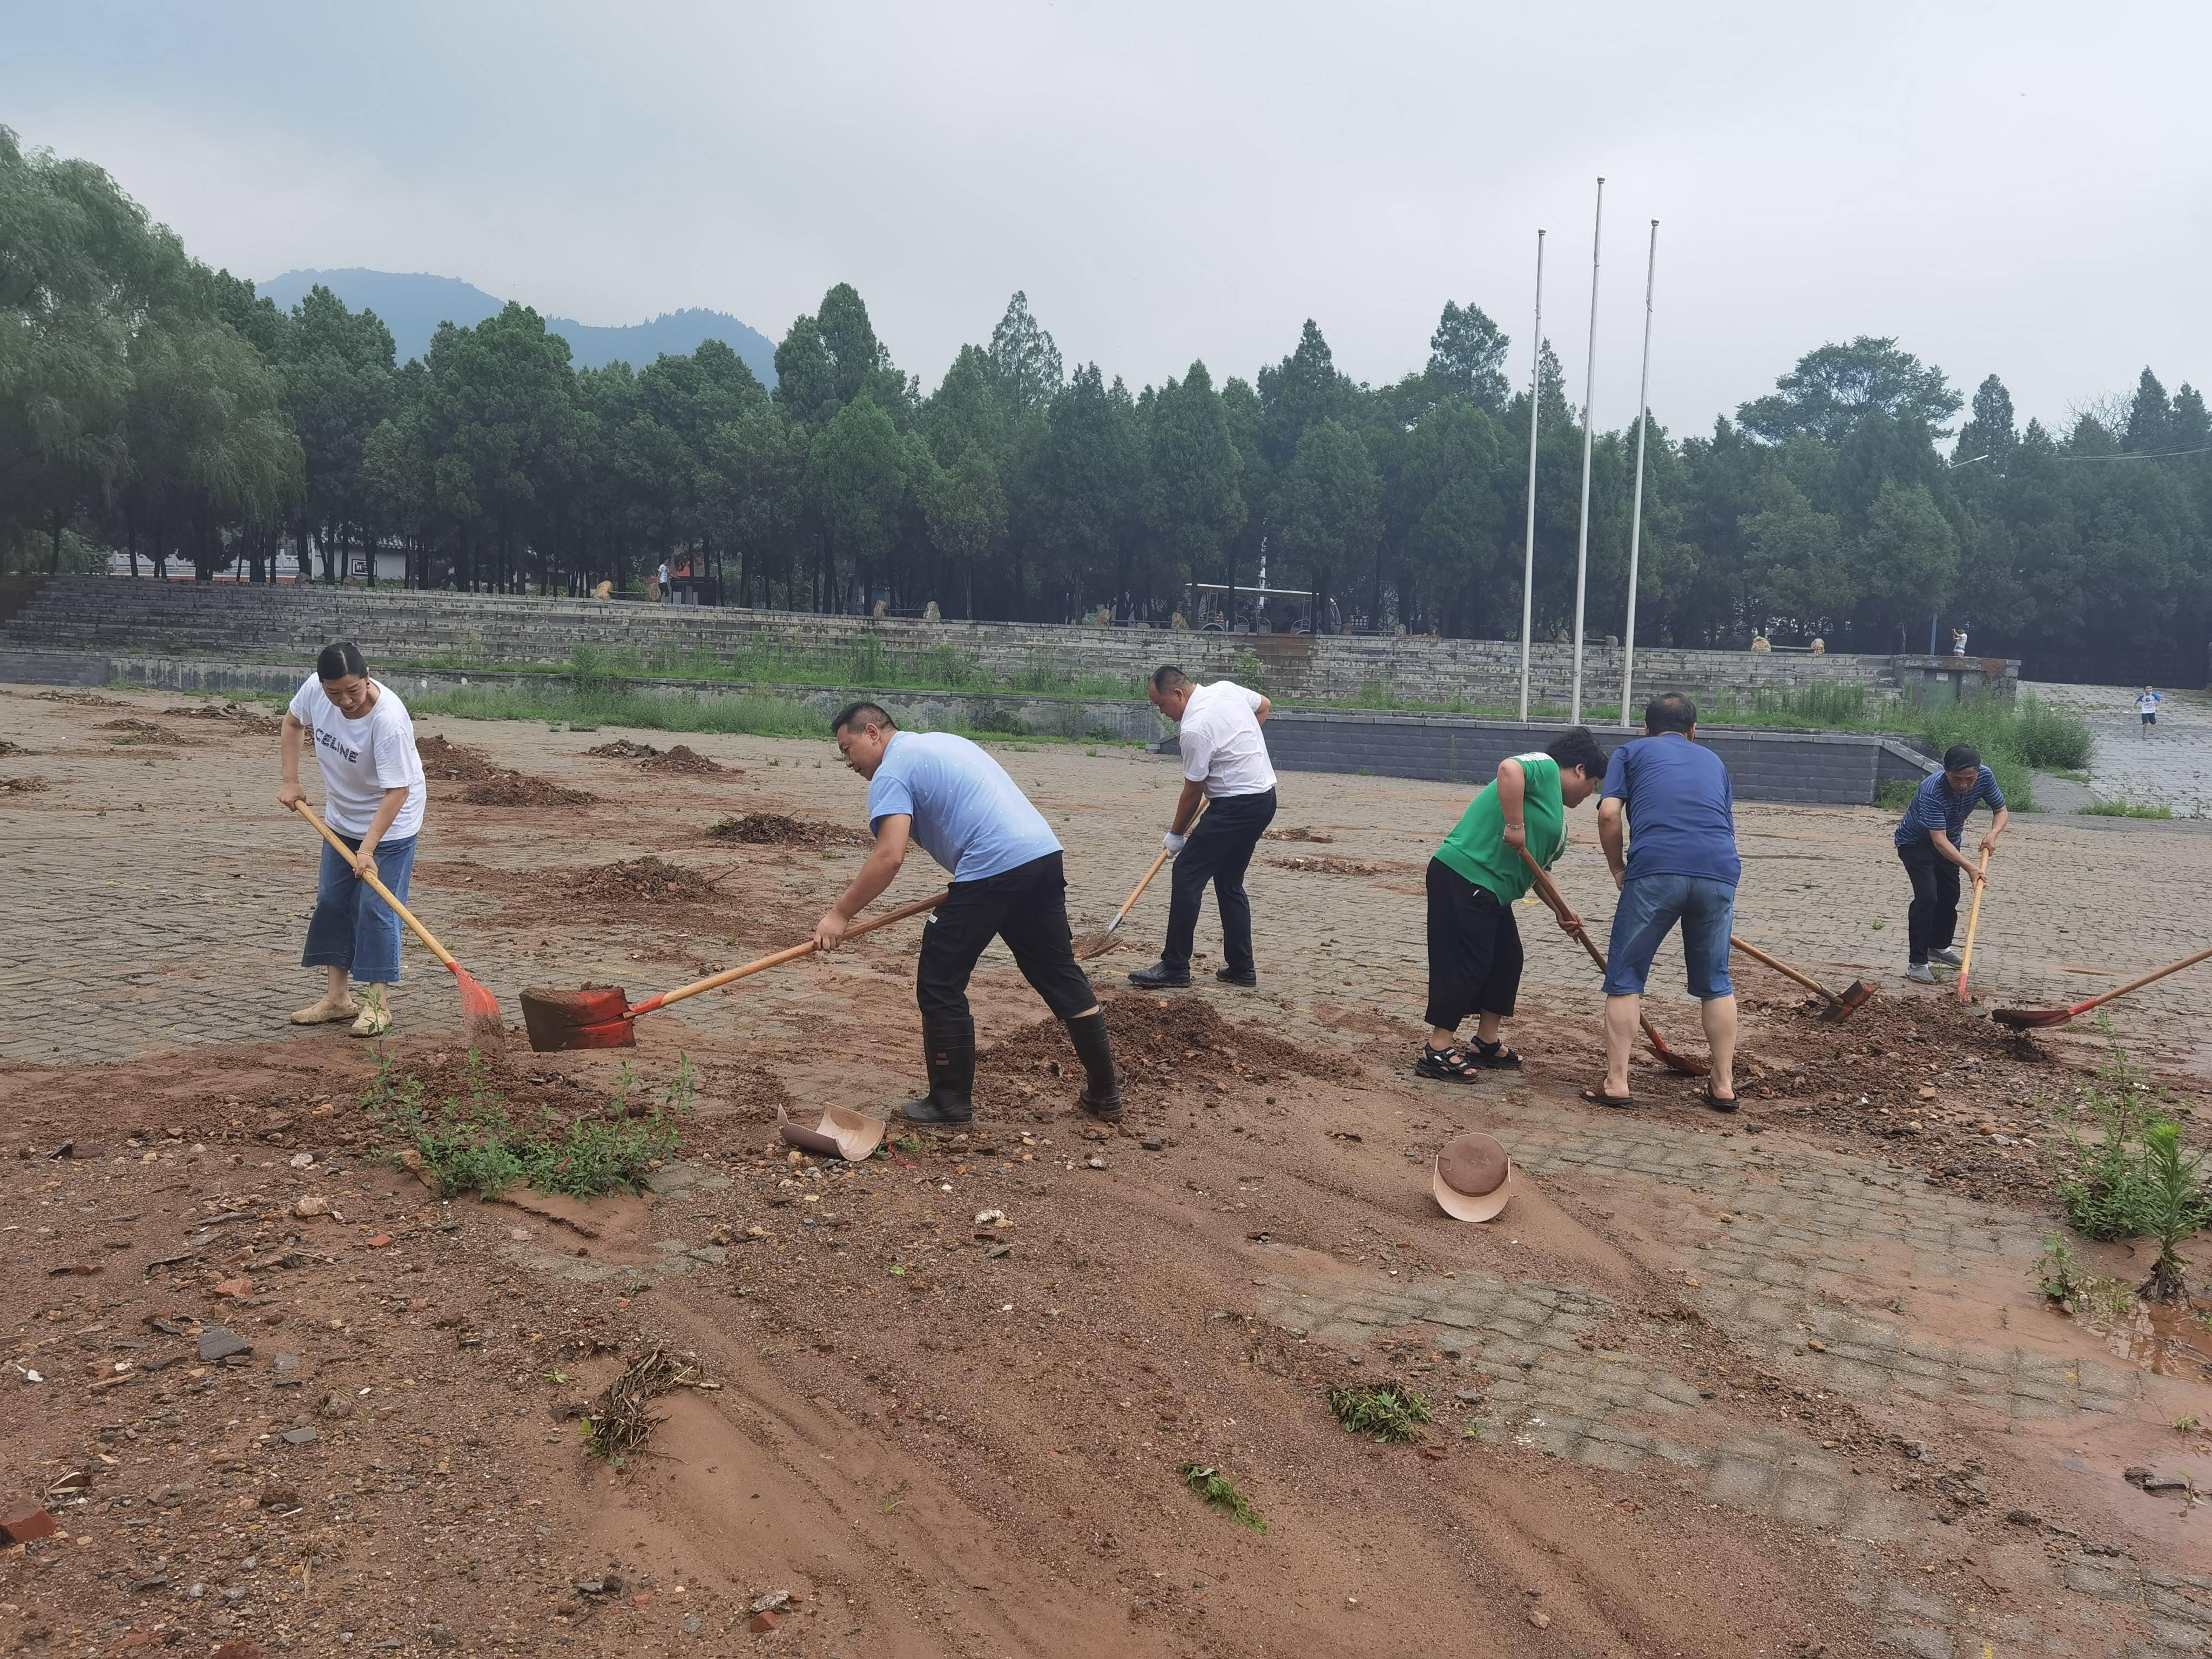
(1474, 950)
(1933, 917)
(1027, 907)
(1218, 851)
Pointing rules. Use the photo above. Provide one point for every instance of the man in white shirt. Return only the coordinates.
(1225, 764)
(372, 799)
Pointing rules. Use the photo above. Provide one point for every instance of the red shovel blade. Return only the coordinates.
(595, 1017)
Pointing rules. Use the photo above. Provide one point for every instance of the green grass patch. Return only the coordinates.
(1894, 795)
(651, 710)
(2072, 775)
(2125, 809)
(472, 1143)
(1389, 1412)
(1209, 1484)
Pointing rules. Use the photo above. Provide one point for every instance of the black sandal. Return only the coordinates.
(1599, 1097)
(1445, 1065)
(1717, 1102)
(1495, 1056)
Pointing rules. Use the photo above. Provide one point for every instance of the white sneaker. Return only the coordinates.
(1948, 955)
(328, 1012)
(1917, 972)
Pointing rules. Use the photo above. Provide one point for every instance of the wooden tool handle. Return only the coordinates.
(1973, 920)
(2137, 984)
(1781, 968)
(1154, 871)
(730, 976)
(1552, 896)
(377, 886)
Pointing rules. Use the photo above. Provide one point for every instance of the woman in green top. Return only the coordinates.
(1474, 948)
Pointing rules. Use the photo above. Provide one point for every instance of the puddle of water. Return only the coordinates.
(2165, 1339)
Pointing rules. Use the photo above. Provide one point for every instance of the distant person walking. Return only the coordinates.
(1678, 806)
(372, 799)
(2147, 707)
(1927, 846)
(1224, 765)
(662, 595)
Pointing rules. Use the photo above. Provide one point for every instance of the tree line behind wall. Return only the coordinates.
(151, 405)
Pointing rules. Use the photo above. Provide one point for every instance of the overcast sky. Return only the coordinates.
(2024, 188)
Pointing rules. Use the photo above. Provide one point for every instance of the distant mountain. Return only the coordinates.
(412, 306)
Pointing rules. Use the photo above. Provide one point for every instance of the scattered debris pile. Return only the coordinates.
(248, 721)
(447, 762)
(83, 699)
(22, 786)
(623, 749)
(621, 1419)
(647, 880)
(514, 789)
(1316, 866)
(773, 829)
(7, 748)
(1300, 833)
(132, 730)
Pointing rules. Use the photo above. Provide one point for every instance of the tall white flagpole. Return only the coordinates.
(1535, 401)
(1589, 425)
(1636, 514)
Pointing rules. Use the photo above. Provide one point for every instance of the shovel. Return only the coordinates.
(1973, 920)
(1097, 945)
(2024, 1020)
(603, 1017)
(479, 1007)
(1840, 1008)
(1683, 1063)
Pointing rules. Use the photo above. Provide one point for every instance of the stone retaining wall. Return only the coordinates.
(289, 624)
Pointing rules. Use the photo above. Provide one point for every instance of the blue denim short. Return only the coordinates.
(351, 927)
(1649, 906)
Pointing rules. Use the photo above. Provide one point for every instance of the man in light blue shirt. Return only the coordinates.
(945, 793)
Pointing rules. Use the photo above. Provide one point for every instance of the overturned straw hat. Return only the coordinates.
(1472, 1177)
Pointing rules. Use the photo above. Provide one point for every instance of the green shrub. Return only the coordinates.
(2050, 739)
(2121, 1173)
(1388, 1410)
(2125, 809)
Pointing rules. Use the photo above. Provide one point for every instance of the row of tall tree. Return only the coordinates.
(149, 404)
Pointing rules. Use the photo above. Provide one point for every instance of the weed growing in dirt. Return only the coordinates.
(2176, 1207)
(2122, 1172)
(2125, 809)
(2053, 1273)
(472, 1142)
(1210, 1484)
(1388, 1410)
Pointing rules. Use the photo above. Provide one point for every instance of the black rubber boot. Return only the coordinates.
(948, 1050)
(1101, 1090)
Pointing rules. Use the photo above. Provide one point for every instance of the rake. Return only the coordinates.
(479, 1007)
(604, 1017)
(1684, 1063)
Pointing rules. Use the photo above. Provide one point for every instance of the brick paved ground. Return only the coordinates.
(157, 898)
(2171, 767)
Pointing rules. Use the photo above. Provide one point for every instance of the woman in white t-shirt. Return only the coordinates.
(372, 799)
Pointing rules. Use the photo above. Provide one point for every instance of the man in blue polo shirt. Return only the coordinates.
(945, 793)
(1680, 865)
(1927, 846)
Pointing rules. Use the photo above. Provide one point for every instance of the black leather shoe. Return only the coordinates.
(1231, 977)
(1159, 977)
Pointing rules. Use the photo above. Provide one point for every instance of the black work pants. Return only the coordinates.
(1218, 852)
(1474, 950)
(1027, 907)
(1934, 916)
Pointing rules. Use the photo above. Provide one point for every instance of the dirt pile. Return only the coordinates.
(684, 760)
(623, 749)
(82, 699)
(1318, 866)
(647, 880)
(22, 786)
(247, 721)
(1298, 834)
(447, 762)
(775, 829)
(1163, 1046)
(7, 748)
(133, 731)
(514, 789)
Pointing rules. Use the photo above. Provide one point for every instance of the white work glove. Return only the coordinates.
(1172, 841)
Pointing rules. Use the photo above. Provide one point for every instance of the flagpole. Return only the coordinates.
(1636, 514)
(1536, 402)
(1589, 425)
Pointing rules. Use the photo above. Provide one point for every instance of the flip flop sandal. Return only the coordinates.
(1446, 1066)
(1715, 1101)
(1599, 1097)
(1495, 1056)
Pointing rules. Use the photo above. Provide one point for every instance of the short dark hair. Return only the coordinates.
(337, 661)
(1576, 747)
(1960, 756)
(862, 713)
(1670, 711)
(1166, 676)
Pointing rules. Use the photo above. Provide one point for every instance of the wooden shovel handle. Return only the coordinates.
(730, 976)
(1781, 968)
(2137, 984)
(1154, 871)
(376, 886)
(1551, 892)
(1973, 920)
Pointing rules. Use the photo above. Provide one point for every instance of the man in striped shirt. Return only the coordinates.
(1927, 846)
